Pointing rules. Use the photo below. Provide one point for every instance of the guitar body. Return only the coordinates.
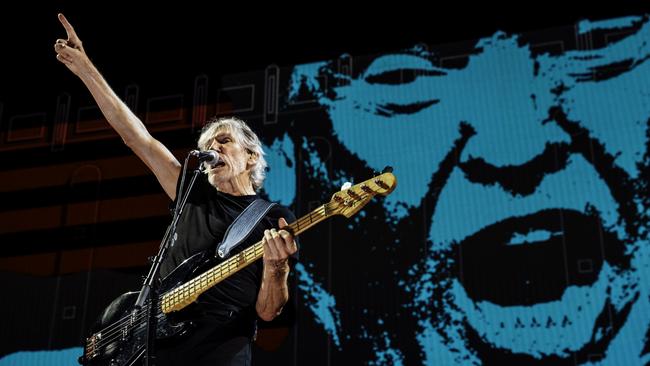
(119, 335)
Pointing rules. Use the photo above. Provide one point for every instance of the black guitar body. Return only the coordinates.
(119, 335)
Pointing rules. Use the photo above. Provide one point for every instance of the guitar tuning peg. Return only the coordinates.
(346, 185)
(387, 169)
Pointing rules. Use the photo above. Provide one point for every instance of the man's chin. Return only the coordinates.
(606, 328)
(547, 339)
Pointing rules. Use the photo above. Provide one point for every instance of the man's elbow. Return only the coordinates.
(267, 316)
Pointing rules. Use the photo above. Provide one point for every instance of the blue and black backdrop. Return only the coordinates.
(518, 232)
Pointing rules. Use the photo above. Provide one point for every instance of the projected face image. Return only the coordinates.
(534, 162)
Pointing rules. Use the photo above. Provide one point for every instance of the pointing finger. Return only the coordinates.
(72, 35)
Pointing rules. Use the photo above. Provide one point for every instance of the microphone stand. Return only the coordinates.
(149, 291)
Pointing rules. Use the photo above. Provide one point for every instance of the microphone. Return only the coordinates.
(209, 157)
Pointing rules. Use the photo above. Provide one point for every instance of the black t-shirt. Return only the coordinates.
(203, 223)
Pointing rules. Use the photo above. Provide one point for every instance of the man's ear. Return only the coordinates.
(252, 158)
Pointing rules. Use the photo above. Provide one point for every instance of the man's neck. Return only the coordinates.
(236, 187)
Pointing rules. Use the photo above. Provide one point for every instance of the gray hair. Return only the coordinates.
(244, 136)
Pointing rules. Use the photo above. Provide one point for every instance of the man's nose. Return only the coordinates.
(216, 147)
(512, 143)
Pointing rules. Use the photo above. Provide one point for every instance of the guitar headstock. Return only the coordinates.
(349, 201)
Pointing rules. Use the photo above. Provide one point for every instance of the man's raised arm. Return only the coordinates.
(154, 154)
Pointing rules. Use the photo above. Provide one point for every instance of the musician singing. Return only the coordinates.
(225, 316)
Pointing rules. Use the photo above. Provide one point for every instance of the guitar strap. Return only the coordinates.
(243, 225)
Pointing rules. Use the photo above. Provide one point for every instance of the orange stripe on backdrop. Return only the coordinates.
(84, 213)
(31, 219)
(99, 129)
(61, 175)
(81, 260)
(26, 134)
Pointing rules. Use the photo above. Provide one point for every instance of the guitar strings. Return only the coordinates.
(126, 319)
(117, 327)
(114, 332)
(143, 312)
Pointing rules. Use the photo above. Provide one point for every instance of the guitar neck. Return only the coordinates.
(183, 295)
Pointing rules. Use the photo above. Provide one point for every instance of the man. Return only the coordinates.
(225, 315)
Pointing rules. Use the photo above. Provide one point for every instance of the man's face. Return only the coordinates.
(234, 159)
(535, 242)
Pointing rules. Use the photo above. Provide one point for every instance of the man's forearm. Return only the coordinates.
(153, 153)
(117, 113)
(274, 292)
